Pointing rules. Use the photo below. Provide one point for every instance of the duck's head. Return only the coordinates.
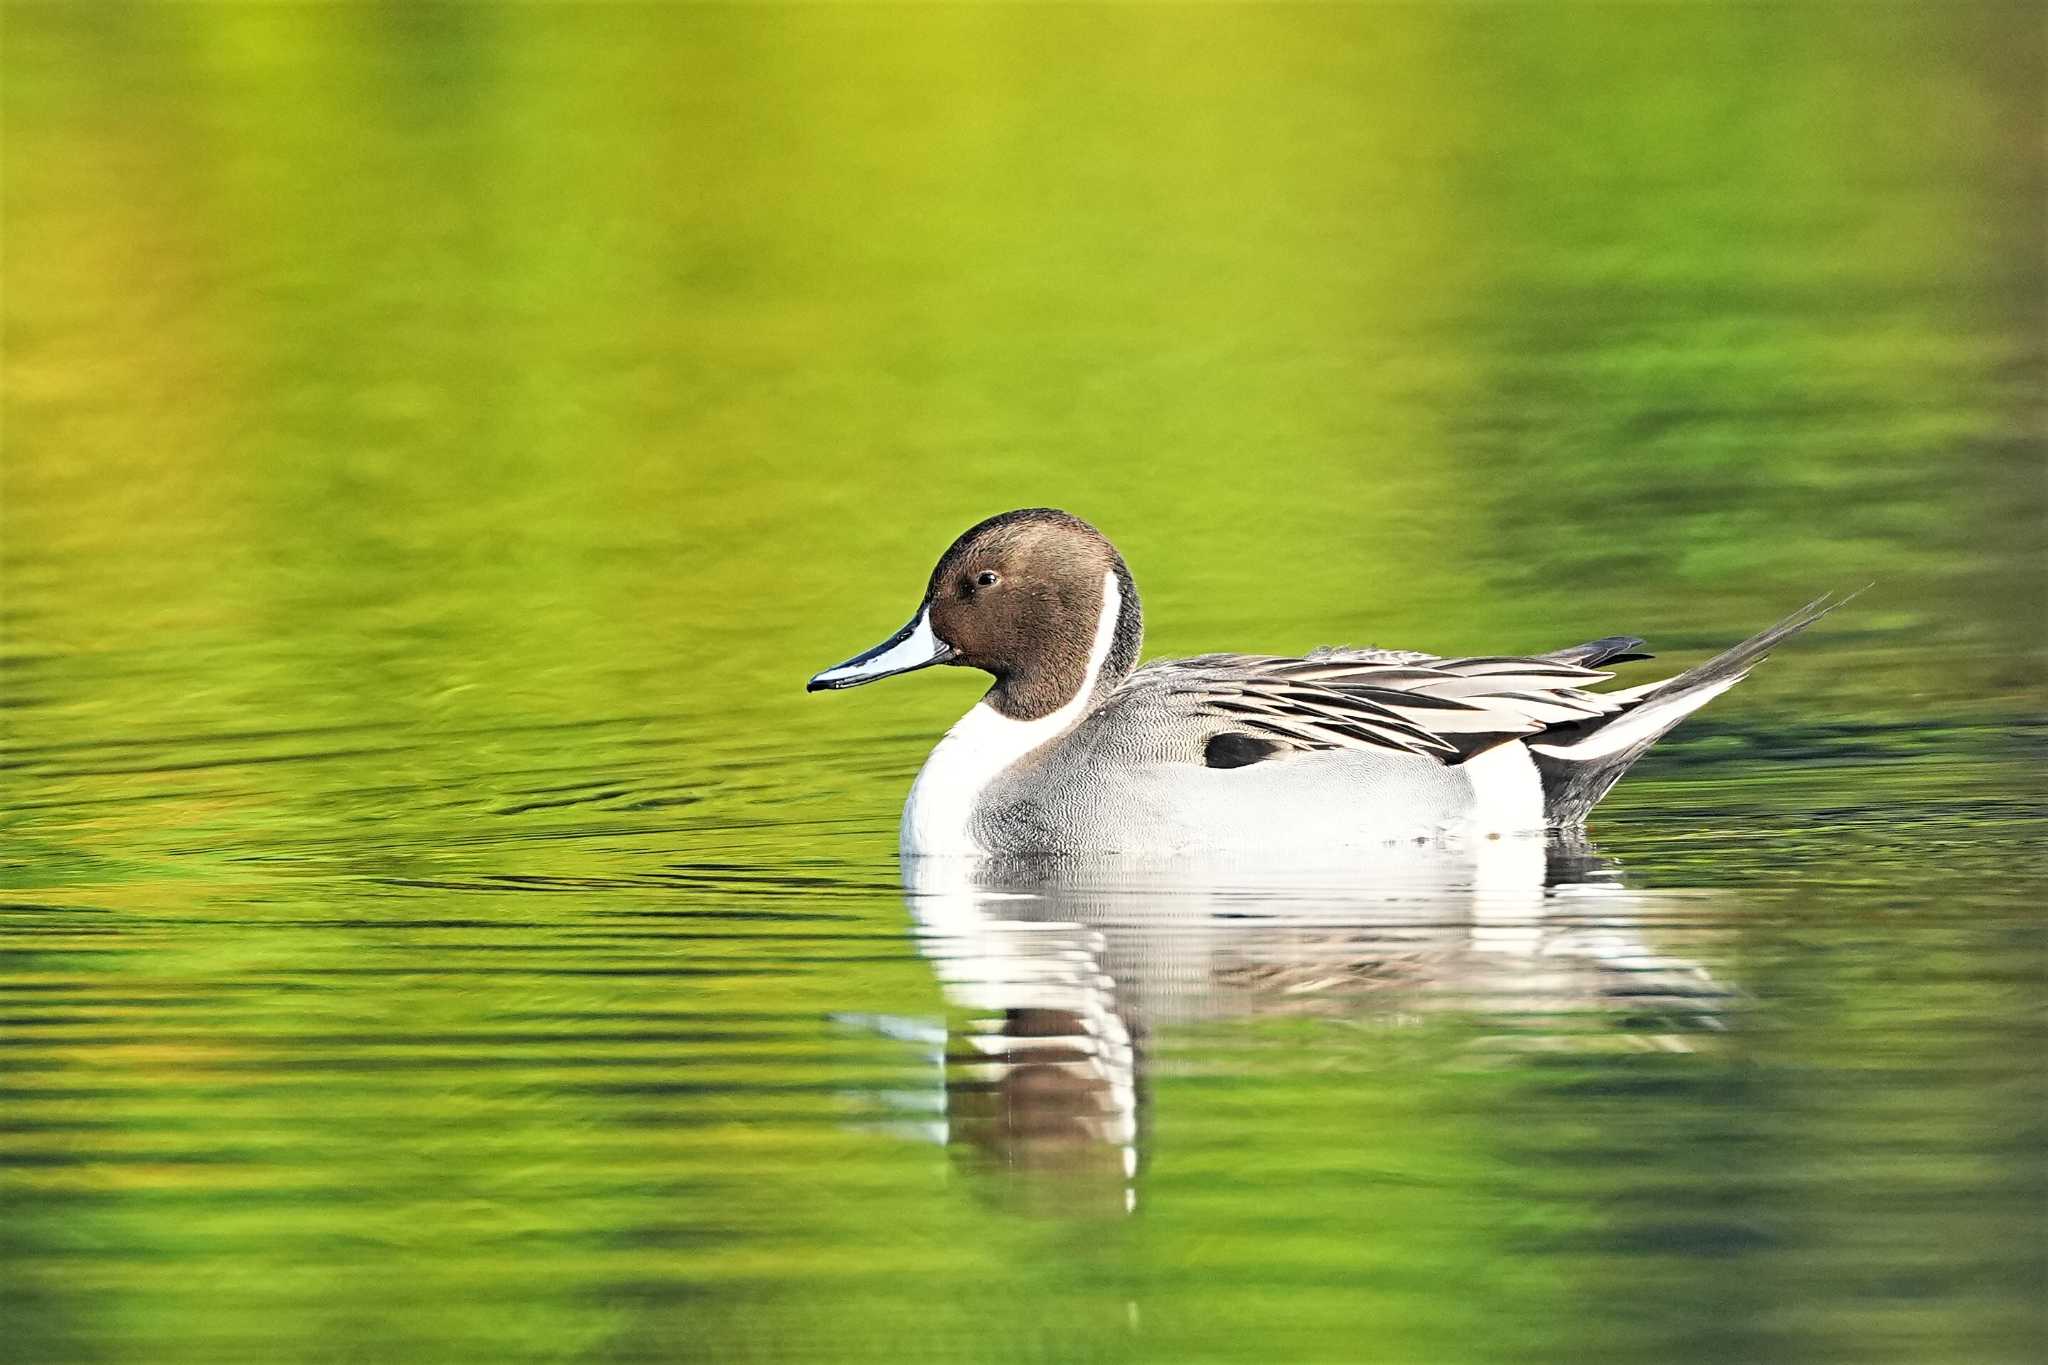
(1036, 597)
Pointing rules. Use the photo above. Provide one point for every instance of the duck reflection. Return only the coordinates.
(1061, 971)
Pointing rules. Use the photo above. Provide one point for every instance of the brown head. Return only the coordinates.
(1035, 597)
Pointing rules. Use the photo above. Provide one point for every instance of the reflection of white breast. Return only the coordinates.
(938, 819)
(1463, 921)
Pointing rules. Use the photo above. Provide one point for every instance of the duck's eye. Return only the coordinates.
(987, 578)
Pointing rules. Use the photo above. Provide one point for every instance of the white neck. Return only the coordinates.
(939, 816)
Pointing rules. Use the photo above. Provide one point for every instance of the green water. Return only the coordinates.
(440, 439)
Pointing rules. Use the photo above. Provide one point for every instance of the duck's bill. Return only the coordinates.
(909, 649)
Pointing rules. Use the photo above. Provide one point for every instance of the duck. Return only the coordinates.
(1077, 748)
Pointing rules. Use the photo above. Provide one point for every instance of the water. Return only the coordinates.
(439, 440)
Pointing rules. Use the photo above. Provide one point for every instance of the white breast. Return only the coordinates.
(939, 816)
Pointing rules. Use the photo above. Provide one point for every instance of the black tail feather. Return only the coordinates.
(1608, 649)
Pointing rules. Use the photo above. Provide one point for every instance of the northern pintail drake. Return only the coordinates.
(1078, 749)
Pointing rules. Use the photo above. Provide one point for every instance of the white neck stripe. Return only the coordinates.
(1105, 638)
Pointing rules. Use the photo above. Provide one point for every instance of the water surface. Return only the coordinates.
(439, 441)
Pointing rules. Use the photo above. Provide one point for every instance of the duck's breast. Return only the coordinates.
(1105, 792)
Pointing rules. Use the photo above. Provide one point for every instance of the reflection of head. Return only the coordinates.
(1041, 1075)
(1040, 1090)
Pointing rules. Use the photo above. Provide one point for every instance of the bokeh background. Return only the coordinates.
(439, 439)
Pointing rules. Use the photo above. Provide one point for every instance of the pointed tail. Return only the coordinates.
(1579, 763)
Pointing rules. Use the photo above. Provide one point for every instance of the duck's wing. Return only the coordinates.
(1448, 709)
(1257, 706)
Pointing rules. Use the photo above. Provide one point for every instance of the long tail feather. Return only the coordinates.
(1734, 664)
(1579, 763)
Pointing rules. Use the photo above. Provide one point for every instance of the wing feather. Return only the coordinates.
(1447, 709)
